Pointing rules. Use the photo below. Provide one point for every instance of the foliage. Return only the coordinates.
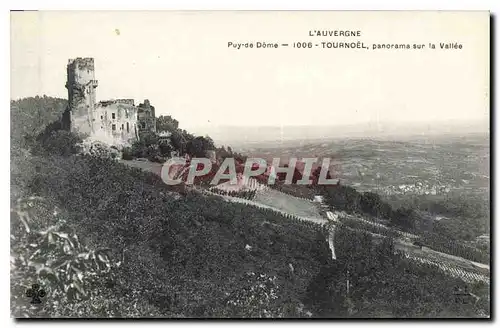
(98, 149)
(454, 247)
(58, 142)
(384, 284)
(187, 256)
(342, 197)
(255, 298)
(145, 147)
(169, 241)
(467, 215)
(151, 252)
(29, 116)
(157, 149)
(246, 194)
(127, 153)
(45, 250)
(198, 146)
(166, 123)
(406, 218)
(222, 153)
(348, 199)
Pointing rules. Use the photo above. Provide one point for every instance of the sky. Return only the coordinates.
(181, 62)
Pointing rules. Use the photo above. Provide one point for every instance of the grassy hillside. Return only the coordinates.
(107, 240)
(191, 247)
(188, 256)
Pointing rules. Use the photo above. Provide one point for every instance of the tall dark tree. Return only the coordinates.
(199, 146)
(166, 123)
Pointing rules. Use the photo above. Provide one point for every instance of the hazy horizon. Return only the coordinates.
(238, 135)
(247, 135)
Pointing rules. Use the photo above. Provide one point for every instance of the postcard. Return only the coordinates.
(250, 164)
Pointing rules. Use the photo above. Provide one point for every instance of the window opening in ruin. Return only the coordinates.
(128, 128)
(102, 117)
(113, 116)
(122, 127)
(113, 127)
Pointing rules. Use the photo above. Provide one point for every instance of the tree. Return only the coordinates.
(178, 141)
(29, 116)
(405, 218)
(199, 146)
(165, 147)
(146, 146)
(372, 204)
(166, 123)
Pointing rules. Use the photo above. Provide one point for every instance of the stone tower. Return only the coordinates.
(81, 85)
(146, 117)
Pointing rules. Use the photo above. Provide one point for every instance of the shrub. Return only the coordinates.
(59, 142)
(127, 154)
(46, 251)
(98, 149)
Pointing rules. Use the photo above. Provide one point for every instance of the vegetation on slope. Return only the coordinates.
(156, 148)
(191, 255)
(409, 219)
(466, 216)
(383, 284)
(184, 256)
(29, 117)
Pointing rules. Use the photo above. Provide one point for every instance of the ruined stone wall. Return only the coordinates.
(146, 117)
(116, 122)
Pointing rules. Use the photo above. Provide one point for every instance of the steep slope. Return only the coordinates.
(193, 247)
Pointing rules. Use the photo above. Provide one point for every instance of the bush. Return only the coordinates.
(127, 154)
(343, 198)
(404, 218)
(372, 204)
(98, 149)
(46, 251)
(59, 142)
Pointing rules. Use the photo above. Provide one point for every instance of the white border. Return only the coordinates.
(255, 5)
(492, 5)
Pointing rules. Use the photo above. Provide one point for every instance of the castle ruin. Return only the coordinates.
(116, 122)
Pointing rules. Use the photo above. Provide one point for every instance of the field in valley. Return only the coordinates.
(414, 166)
